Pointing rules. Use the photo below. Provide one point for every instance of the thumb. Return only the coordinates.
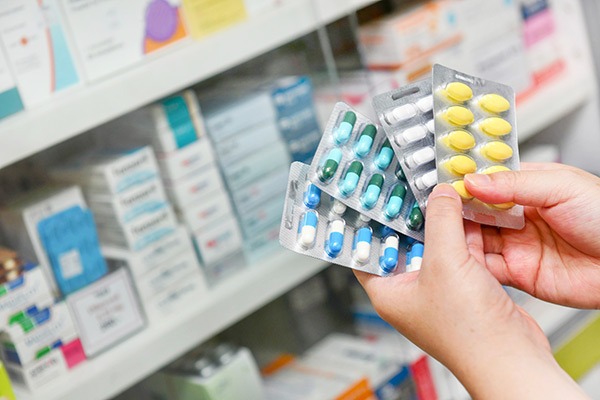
(444, 229)
(535, 188)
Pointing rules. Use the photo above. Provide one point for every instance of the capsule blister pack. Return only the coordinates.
(355, 164)
(317, 225)
(406, 115)
(475, 132)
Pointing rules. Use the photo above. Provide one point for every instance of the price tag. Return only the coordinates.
(106, 312)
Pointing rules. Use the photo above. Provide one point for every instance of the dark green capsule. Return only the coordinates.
(415, 219)
(329, 168)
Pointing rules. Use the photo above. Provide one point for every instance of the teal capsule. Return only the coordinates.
(394, 204)
(331, 165)
(365, 141)
(371, 195)
(415, 218)
(400, 173)
(385, 156)
(344, 130)
(350, 182)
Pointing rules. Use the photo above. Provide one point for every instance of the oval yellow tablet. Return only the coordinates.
(458, 116)
(459, 92)
(462, 191)
(494, 103)
(503, 206)
(459, 140)
(495, 168)
(497, 151)
(461, 165)
(495, 126)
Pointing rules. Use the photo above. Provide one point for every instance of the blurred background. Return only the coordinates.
(144, 155)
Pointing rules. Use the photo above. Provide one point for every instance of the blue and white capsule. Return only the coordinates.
(312, 196)
(307, 229)
(362, 245)
(388, 261)
(344, 130)
(416, 257)
(335, 238)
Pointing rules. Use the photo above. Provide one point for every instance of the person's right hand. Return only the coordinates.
(556, 257)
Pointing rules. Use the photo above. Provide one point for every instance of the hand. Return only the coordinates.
(556, 257)
(456, 310)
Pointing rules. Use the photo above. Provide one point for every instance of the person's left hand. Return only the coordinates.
(455, 310)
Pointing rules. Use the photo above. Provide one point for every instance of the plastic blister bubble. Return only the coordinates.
(406, 115)
(317, 225)
(355, 163)
(475, 132)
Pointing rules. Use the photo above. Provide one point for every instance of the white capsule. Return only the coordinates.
(362, 247)
(308, 235)
(425, 104)
(411, 135)
(415, 264)
(399, 114)
(338, 208)
(420, 157)
(430, 126)
(364, 218)
(427, 180)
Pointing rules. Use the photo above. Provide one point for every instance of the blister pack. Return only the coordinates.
(475, 132)
(406, 115)
(355, 164)
(317, 225)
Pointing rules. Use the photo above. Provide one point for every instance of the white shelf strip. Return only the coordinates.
(129, 362)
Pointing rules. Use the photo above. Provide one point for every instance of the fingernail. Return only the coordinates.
(480, 180)
(444, 190)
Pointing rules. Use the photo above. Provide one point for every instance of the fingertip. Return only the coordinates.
(444, 190)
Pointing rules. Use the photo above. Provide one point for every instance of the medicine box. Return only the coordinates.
(130, 204)
(141, 232)
(106, 44)
(176, 298)
(226, 117)
(260, 191)
(48, 367)
(195, 186)
(109, 171)
(29, 289)
(33, 331)
(44, 64)
(247, 142)
(222, 240)
(256, 166)
(178, 164)
(10, 98)
(166, 275)
(260, 244)
(263, 216)
(21, 218)
(106, 312)
(207, 211)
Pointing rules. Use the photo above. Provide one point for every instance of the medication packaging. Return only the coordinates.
(319, 226)
(475, 132)
(406, 115)
(355, 164)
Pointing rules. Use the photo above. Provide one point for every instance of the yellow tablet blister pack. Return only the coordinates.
(475, 132)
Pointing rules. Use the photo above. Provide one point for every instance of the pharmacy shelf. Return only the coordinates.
(129, 362)
(173, 69)
(553, 102)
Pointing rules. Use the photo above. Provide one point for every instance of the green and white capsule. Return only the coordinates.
(365, 141)
(344, 130)
(371, 195)
(330, 166)
(385, 156)
(415, 219)
(394, 203)
(350, 182)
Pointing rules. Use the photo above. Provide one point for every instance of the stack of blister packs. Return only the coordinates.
(362, 201)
